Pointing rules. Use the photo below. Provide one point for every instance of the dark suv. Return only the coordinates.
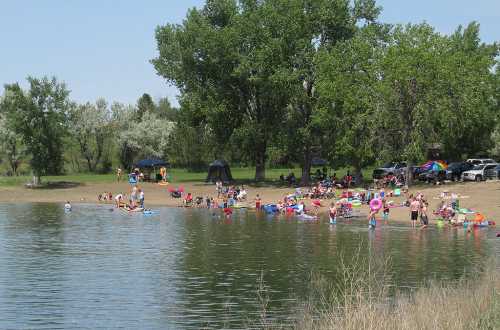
(455, 170)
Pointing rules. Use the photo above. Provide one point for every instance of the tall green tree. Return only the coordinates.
(145, 104)
(311, 29)
(90, 128)
(12, 150)
(348, 75)
(228, 57)
(39, 116)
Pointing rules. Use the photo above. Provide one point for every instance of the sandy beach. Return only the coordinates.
(482, 197)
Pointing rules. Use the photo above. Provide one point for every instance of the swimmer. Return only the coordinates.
(67, 206)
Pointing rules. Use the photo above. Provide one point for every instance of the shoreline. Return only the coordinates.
(482, 197)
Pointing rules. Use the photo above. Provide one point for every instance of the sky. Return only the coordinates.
(102, 48)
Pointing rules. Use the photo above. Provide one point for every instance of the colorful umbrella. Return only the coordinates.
(434, 165)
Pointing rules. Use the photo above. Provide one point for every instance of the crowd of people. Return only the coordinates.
(307, 202)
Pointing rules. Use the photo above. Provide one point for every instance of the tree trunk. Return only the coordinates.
(260, 163)
(358, 175)
(36, 179)
(306, 167)
(89, 164)
(408, 174)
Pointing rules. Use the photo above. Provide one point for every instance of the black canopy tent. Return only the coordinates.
(151, 164)
(219, 170)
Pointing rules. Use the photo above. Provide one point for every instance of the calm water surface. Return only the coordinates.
(186, 269)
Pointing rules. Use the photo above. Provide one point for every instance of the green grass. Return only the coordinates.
(240, 174)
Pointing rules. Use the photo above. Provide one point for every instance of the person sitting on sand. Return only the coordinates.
(188, 200)
(242, 194)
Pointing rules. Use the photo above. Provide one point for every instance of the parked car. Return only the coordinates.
(480, 172)
(479, 161)
(394, 168)
(493, 173)
(455, 170)
(432, 176)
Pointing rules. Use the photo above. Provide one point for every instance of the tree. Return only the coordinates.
(164, 110)
(347, 82)
(311, 29)
(149, 138)
(11, 146)
(226, 58)
(145, 105)
(90, 128)
(437, 89)
(39, 116)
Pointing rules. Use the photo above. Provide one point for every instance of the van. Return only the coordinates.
(480, 161)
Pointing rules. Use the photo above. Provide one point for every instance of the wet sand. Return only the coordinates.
(482, 197)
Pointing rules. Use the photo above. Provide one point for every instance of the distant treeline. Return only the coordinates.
(277, 82)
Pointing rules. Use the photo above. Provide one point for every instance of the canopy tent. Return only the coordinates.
(151, 163)
(150, 166)
(219, 170)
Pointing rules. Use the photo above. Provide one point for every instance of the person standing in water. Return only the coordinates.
(385, 211)
(258, 202)
(118, 200)
(67, 206)
(424, 219)
(141, 198)
(372, 221)
(333, 214)
(414, 209)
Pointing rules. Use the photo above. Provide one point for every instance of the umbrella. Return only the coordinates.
(434, 165)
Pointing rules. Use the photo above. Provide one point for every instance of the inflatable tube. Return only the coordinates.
(375, 204)
(307, 217)
(439, 223)
(237, 206)
(270, 208)
(466, 211)
(356, 204)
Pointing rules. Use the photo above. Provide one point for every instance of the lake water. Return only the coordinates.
(186, 269)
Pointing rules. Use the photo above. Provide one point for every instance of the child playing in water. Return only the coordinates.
(372, 221)
(258, 202)
(385, 211)
(333, 214)
(424, 219)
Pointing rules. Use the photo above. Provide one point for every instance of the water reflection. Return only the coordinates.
(191, 269)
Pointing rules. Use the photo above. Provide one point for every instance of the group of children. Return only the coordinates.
(135, 201)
